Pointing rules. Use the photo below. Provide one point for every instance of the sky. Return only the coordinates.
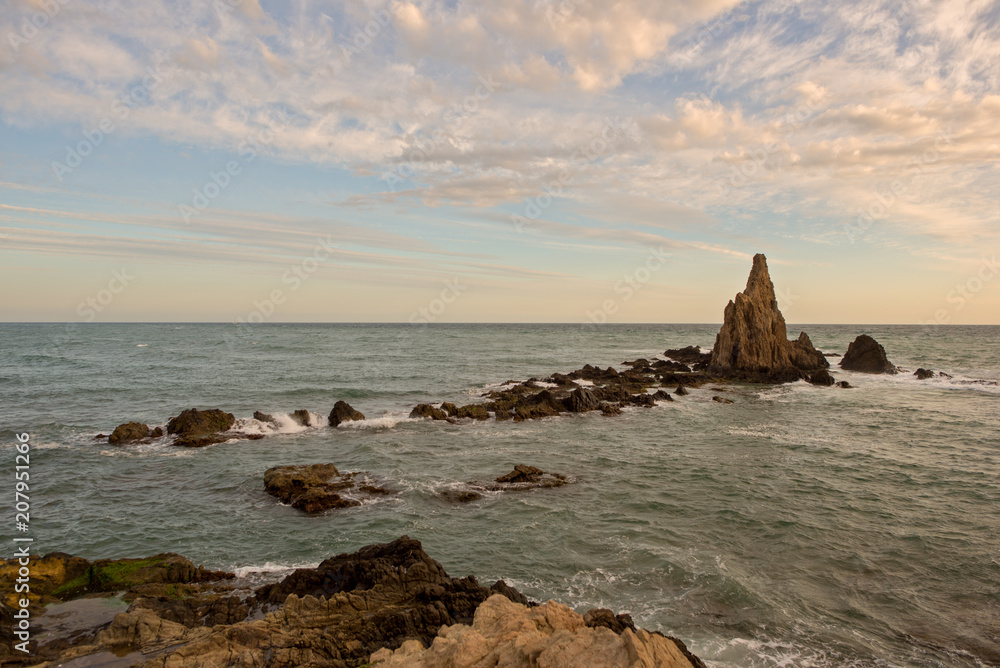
(436, 161)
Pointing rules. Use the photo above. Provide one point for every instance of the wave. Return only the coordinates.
(387, 421)
(271, 567)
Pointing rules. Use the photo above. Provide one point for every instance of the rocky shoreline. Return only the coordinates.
(388, 604)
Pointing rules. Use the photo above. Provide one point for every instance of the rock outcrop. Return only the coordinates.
(194, 428)
(804, 355)
(301, 417)
(867, 355)
(752, 344)
(692, 355)
(133, 432)
(822, 377)
(923, 374)
(505, 633)
(350, 610)
(314, 488)
(343, 412)
(428, 411)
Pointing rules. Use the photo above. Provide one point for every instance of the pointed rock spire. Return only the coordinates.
(753, 340)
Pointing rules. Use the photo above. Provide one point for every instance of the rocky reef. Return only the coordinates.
(521, 478)
(384, 603)
(317, 487)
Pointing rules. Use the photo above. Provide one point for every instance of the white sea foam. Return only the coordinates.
(584, 383)
(387, 421)
(283, 424)
(271, 567)
(141, 345)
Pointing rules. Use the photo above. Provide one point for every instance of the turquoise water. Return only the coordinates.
(799, 526)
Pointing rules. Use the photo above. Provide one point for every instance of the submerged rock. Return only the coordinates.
(844, 384)
(460, 495)
(521, 478)
(865, 354)
(314, 488)
(343, 412)
(923, 374)
(505, 633)
(681, 391)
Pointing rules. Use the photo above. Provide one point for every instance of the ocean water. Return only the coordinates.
(799, 526)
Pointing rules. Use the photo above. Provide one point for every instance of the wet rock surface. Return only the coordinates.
(343, 412)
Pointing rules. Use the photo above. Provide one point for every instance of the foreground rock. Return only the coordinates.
(343, 412)
(504, 633)
(865, 354)
(339, 615)
(194, 428)
(317, 487)
(521, 478)
(752, 343)
(62, 577)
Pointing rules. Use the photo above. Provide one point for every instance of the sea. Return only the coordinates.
(797, 526)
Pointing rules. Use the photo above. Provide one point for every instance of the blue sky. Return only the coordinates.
(532, 160)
